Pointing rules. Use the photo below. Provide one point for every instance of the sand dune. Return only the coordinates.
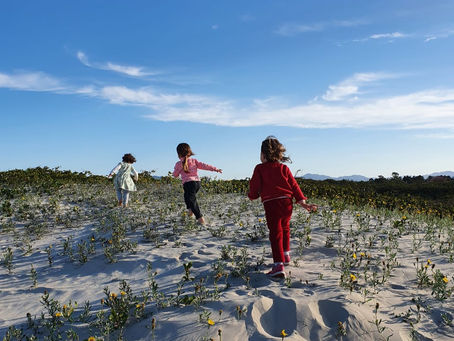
(227, 283)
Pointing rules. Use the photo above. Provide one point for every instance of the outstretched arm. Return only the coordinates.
(255, 185)
(297, 193)
(205, 166)
(115, 170)
(308, 207)
(135, 174)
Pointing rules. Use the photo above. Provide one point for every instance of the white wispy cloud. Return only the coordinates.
(83, 59)
(399, 35)
(428, 109)
(431, 109)
(151, 97)
(388, 35)
(429, 38)
(440, 35)
(351, 86)
(134, 71)
(30, 81)
(292, 29)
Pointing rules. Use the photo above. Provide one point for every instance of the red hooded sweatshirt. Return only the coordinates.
(273, 180)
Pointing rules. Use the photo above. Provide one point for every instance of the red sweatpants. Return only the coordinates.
(278, 213)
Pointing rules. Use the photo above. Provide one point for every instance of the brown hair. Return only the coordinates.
(273, 150)
(184, 150)
(129, 158)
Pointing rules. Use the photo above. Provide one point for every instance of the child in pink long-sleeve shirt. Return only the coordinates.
(187, 167)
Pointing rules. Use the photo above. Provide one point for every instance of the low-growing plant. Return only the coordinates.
(378, 323)
(7, 259)
(34, 276)
(440, 286)
(50, 258)
(422, 276)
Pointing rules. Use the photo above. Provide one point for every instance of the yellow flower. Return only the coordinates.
(429, 261)
(362, 254)
(113, 295)
(352, 277)
(122, 293)
(358, 215)
(404, 218)
(58, 314)
(138, 306)
(445, 279)
(354, 255)
(334, 211)
(283, 333)
(210, 322)
(64, 307)
(91, 338)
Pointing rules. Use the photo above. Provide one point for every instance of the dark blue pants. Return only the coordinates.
(190, 190)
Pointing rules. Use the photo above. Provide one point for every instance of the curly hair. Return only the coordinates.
(184, 150)
(273, 150)
(129, 158)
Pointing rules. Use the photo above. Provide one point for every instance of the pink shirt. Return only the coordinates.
(193, 165)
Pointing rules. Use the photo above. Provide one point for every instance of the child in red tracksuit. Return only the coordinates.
(275, 184)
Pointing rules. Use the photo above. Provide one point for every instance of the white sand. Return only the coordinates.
(308, 306)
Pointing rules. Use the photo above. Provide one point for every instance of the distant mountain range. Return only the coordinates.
(363, 178)
(326, 177)
(445, 173)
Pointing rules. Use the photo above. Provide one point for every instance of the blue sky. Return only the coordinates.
(349, 87)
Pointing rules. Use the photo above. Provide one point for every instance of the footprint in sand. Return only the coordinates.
(307, 319)
(332, 312)
(271, 316)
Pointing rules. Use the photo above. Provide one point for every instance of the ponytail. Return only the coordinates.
(184, 151)
(185, 164)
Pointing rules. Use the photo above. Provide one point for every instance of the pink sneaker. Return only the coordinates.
(277, 271)
(286, 259)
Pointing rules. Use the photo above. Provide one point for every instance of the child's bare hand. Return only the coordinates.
(309, 207)
(314, 208)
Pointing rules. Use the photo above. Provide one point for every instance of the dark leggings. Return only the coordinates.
(190, 190)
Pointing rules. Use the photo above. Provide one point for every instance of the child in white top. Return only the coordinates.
(123, 181)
